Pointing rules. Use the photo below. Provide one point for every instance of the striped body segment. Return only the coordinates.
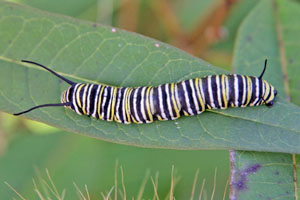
(167, 101)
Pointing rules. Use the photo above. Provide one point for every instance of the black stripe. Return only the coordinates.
(139, 102)
(92, 99)
(155, 101)
(164, 101)
(183, 101)
(190, 95)
(99, 97)
(222, 86)
(214, 88)
(206, 93)
(241, 90)
(80, 98)
(107, 112)
(70, 96)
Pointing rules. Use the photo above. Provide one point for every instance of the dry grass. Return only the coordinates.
(48, 190)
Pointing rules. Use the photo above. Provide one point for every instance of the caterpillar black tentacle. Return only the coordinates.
(164, 102)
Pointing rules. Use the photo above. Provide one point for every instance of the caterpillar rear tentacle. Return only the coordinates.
(164, 102)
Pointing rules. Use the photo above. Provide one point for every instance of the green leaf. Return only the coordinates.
(88, 52)
(257, 175)
(62, 7)
(86, 161)
(267, 175)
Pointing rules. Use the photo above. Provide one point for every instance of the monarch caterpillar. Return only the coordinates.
(164, 102)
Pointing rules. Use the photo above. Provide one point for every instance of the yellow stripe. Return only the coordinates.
(77, 95)
(67, 94)
(186, 113)
(159, 118)
(249, 90)
(64, 97)
(267, 90)
(99, 101)
(208, 106)
(133, 119)
(84, 99)
(173, 99)
(148, 104)
(272, 94)
(113, 103)
(224, 89)
(199, 94)
(126, 104)
(116, 119)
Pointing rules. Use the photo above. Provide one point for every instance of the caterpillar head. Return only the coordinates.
(65, 94)
(270, 93)
(65, 97)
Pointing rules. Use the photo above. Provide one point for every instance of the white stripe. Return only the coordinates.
(151, 101)
(88, 100)
(196, 102)
(96, 101)
(256, 92)
(118, 100)
(143, 104)
(163, 115)
(103, 102)
(236, 90)
(245, 85)
(136, 116)
(186, 97)
(210, 93)
(124, 106)
(219, 91)
(74, 99)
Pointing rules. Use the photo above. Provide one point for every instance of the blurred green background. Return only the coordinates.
(204, 28)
